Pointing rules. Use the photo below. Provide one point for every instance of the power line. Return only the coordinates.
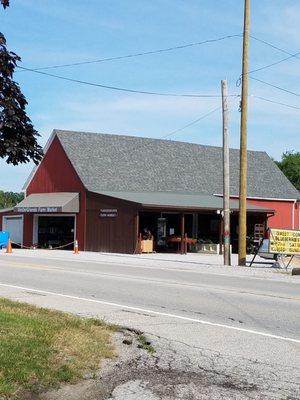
(274, 47)
(164, 50)
(275, 63)
(291, 55)
(123, 89)
(179, 47)
(153, 93)
(38, 70)
(191, 123)
(238, 82)
(144, 145)
(164, 94)
(275, 86)
(275, 102)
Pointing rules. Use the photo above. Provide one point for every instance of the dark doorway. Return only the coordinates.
(56, 231)
(252, 220)
(165, 225)
(209, 228)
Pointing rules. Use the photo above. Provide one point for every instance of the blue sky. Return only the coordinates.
(50, 32)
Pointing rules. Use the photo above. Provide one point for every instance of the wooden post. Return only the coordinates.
(221, 229)
(195, 226)
(185, 244)
(243, 140)
(226, 195)
(182, 234)
(137, 234)
(139, 243)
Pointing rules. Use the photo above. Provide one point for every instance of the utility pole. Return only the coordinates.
(243, 140)
(226, 194)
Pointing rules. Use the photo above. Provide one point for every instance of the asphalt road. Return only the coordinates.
(244, 319)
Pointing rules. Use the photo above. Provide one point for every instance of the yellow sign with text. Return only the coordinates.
(284, 241)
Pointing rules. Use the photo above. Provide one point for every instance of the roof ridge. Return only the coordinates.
(125, 136)
(159, 191)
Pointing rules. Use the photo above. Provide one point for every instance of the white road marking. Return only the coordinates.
(162, 314)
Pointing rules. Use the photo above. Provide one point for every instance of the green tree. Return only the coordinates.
(18, 138)
(290, 166)
(5, 3)
(10, 199)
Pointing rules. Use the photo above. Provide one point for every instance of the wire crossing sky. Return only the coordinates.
(144, 53)
(154, 69)
(121, 89)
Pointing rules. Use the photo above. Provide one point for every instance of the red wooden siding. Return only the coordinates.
(283, 213)
(56, 174)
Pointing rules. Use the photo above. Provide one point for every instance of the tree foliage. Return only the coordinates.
(5, 3)
(18, 138)
(290, 166)
(10, 199)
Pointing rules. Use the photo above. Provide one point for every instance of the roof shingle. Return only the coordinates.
(106, 162)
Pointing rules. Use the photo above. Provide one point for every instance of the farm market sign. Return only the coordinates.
(38, 209)
(284, 241)
(108, 213)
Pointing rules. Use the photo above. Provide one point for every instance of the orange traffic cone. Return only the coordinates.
(9, 248)
(76, 251)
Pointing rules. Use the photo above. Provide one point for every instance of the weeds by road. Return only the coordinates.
(40, 348)
(145, 344)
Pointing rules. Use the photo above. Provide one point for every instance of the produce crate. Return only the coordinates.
(147, 246)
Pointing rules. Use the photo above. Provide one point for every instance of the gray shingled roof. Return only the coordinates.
(106, 162)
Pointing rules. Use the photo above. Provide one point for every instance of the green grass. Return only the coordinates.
(40, 348)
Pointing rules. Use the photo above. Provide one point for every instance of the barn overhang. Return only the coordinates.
(61, 202)
(197, 202)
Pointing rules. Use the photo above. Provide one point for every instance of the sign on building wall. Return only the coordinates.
(284, 241)
(108, 213)
(38, 209)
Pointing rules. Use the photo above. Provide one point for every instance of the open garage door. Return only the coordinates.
(14, 225)
(55, 231)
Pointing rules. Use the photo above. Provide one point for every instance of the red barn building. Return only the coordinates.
(104, 189)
